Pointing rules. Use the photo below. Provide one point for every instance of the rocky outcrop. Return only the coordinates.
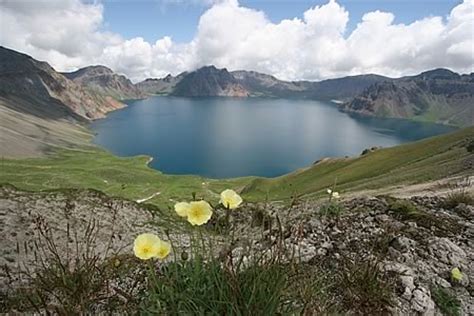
(410, 246)
(439, 95)
(104, 81)
(414, 244)
(209, 81)
(24, 78)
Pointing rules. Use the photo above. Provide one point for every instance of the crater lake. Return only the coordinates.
(234, 137)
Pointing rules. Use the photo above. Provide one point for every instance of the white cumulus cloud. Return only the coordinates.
(69, 34)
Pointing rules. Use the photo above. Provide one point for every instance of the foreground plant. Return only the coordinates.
(332, 207)
(197, 212)
(147, 246)
(230, 199)
(204, 282)
(69, 275)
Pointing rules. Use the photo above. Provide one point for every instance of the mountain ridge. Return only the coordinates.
(104, 80)
(255, 84)
(209, 81)
(42, 109)
(26, 78)
(438, 95)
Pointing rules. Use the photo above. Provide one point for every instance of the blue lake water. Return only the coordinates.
(232, 137)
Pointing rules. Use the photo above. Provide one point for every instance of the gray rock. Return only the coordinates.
(422, 302)
(442, 282)
(406, 277)
(448, 252)
(381, 218)
(408, 283)
(327, 245)
(403, 243)
(322, 251)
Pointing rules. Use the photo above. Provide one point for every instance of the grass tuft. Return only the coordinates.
(366, 290)
(331, 209)
(200, 287)
(405, 209)
(65, 283)
(459, 194)
(446, 301)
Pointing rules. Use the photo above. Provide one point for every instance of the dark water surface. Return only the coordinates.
(231, 137)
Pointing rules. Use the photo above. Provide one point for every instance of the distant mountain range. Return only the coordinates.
(210, 81)
(438, 95)
(34, 91)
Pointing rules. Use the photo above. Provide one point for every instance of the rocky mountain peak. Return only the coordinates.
(439, 73)
(104, 80)
(26, 79)
(210, 81)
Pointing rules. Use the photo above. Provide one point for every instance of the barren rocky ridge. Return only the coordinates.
(416, 242)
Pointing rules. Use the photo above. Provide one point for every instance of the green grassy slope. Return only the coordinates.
(425, 160)
(97, 169)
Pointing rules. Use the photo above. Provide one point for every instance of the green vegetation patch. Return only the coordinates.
(201, 287)
(129, 178)
(426, 160)
(446, 301)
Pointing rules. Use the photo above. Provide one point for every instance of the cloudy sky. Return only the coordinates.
(291, 39)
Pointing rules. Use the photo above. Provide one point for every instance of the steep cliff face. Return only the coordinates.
(24, 78)
(103, 80)
(210, 81)
(438, 95)
(41, 110)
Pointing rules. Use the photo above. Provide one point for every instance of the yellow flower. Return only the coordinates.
(163, 250)
(146, 246)
(230, 199)
(199, 213)
(335, 195)
(456, 274)
(329, 191)
(182, 208)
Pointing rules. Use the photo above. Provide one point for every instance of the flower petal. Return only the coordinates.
(145, 245)
(163, 250)
(230, 199)
(199, 213)
(182, 208)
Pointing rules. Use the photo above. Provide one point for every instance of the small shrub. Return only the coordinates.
(243, 282)
(314, 290)
(75, 281)
(455, 198)
(200, 287)
(331, 209)
(447, 302)
(405, 209)
(365, 289)
(459, 193)
(343, 287)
